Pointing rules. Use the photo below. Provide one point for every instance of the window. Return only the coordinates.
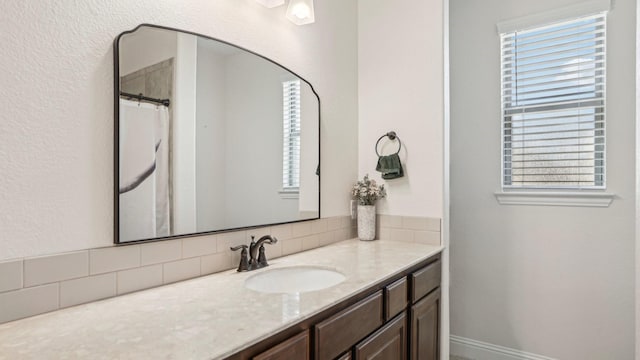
(291, 136)
(553, 105)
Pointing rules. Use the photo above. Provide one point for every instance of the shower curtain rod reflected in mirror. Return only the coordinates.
(140, 97)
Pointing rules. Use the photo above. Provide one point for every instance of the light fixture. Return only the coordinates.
(270, 3)
(300, 12)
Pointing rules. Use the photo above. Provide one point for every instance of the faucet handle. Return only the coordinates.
(262, 258)
(236, 248)
(244, 259)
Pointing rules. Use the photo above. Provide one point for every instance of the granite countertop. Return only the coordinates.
(210, 317)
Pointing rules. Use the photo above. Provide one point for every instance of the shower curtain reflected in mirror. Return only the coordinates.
(144, 170)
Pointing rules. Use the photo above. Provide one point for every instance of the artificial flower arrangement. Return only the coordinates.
(366, 191)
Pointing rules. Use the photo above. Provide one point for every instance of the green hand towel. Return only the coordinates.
(390, 166)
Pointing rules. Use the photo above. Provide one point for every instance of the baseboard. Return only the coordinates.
(478, 350)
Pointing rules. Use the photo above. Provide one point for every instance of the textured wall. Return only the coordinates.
(56, 151)
(554, 281)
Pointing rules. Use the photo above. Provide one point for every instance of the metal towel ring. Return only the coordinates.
(392, 136)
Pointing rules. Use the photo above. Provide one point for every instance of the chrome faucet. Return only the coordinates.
(257, 258)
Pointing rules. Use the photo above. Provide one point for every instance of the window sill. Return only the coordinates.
(289, 194)
(579, 199)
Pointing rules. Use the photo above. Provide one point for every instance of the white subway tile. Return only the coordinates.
(435, 224)
(345, 222)
(256, 233)
(198, 246)
(291, 246)
(181, 270)
(228, 240)
(420, 223)
(334, 223)
(160, 252)
(53, 268)
(28, 302)
(214, 263)
(83, 290)
(402, 235)
(139, 278)
(302, 229)
(341, 234)
(273, 250)
(319, 226)
(390, 221)
(427, 237)
(282, 232)
(353, 232)
(326, 238)
(115, 258)
(310, 242)
(384, 233)
(10, 275)
(414, 223)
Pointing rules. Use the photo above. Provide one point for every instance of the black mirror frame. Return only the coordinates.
(116, 137)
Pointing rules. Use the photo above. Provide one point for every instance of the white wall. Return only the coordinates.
(183, 132)
(146, 48)
(309, 183)
(553, 281)
(637, 157)
(210, 138)
(252, 191)
(56, 137)
(400, 69)
(401, 72)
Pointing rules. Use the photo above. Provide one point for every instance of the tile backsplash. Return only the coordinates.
(409, 228)
(36, 285)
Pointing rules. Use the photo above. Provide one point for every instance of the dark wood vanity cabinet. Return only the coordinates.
(341, 331)
(388, 343)
(425, 313)
(425, 325)
(296, 347)
(395, 298)
(398, 319)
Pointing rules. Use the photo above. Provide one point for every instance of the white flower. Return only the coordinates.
(366, 191)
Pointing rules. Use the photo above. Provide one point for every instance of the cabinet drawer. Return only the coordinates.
(388, 343)
(296, 347)
(337, 334)
(425, 280)
(395, 296)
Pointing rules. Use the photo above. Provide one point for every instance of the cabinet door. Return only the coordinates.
(425, 328)
(295, 348)
(388, 343)
(341, 331)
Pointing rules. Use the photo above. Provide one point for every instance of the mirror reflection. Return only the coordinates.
(210, 137)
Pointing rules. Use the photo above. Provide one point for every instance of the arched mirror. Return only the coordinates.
(209, 137)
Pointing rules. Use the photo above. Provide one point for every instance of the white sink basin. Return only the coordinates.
(297, 279)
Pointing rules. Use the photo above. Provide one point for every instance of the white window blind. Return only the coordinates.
(553, 105)
(291, 135)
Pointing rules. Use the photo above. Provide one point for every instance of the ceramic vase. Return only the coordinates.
(366, 222)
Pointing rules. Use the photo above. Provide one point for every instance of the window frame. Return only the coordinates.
(548, 197)
(556, 188)
(289, 189)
